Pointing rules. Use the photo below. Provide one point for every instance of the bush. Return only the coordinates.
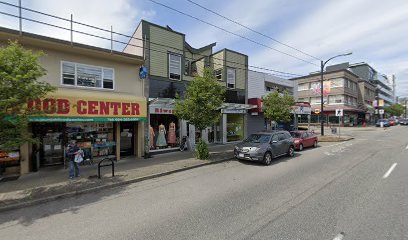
(201, 151)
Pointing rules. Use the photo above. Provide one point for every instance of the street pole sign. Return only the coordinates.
(381, 111)
(339, 112)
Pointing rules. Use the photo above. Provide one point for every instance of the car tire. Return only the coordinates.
(300, 147)
(291, 151)
(267, 158)
(315, 144)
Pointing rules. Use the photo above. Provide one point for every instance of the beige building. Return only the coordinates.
(100, 102)
(341, 90)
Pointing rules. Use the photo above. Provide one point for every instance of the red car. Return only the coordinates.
(392, 122)
(303, 139)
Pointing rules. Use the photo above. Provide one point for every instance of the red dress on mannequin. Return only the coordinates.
(171, 137)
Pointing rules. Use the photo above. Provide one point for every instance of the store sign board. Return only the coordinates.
(302, 110)
(238, 111)
(161, 110)
(77, 108)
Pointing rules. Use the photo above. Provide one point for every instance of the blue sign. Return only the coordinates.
(142, 72)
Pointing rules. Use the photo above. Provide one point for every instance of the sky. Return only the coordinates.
(376, 31)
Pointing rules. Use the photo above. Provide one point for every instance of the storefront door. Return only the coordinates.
(51, 136)
(127, 130)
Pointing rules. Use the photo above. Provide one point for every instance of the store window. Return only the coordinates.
(174, 66)
(82, 75)
(235, 127)
(95, 138)
(164, 131)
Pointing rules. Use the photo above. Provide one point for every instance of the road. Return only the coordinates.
(350, 190)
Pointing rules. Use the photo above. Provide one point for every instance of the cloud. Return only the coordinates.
(123, 15)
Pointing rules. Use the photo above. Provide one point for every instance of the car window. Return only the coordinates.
(275, 137)
(287, 135)
(295, 134)
(258, 138)
(305, 135)
(281, 136)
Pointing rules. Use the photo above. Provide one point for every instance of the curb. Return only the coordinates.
(28, 203)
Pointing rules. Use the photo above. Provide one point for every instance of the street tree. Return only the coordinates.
(277, 106)
(394, 110)
(19, 74)
(201, 105)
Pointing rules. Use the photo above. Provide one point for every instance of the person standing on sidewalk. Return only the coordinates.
(72, 150)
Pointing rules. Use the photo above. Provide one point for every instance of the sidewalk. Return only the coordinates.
(52, 183)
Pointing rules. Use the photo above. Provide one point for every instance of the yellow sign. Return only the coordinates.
(381, 103)
(71, 105)
(317, 111)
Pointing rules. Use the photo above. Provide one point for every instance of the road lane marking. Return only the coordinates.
(339, 236)
(390, 170)
(406, 147)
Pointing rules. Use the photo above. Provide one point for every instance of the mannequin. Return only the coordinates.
(151, 135)
(171, 138)
(161, 138)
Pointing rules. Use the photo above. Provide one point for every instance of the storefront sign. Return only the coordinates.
(106, 107)
(160, 110)
(302, 110)
(236, 111)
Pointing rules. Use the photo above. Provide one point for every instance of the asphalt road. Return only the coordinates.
(352, 190)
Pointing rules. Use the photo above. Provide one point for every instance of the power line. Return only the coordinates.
(251, 29)
(280, 73)
(235, 34)
(124, 35)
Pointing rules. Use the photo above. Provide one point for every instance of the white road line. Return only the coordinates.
(406, 147)
(390, 170)
(339, 236)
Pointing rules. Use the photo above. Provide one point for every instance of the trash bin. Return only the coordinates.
(334, 130)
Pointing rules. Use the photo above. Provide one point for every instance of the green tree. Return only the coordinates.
(201, 105)
(278, 107)
(394, 110)
(19, 71)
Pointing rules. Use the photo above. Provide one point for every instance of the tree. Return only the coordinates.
(395, 110)
(19, 73)
(201, 104)
(278, 107)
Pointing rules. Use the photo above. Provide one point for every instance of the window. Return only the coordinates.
(174, 66)
(303, 87)
(76, 74)
(336, 99)
(230, 78)
(268, 89)
(218, 74)
(338, 82)
(275, 138)
(187, 68)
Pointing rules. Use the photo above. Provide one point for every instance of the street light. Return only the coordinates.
(322, 64)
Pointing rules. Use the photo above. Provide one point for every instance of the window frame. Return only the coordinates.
(220, 70)
(168, 66)
(235, 78)
(76, 76)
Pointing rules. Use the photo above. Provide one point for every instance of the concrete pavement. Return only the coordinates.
(318, 194)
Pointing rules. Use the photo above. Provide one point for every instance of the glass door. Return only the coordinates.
(126, 138)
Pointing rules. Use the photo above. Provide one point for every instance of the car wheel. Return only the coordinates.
(291, 151)
(315, 144)
(301, 147)
(267, 158)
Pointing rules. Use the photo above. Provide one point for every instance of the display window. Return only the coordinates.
(164, 131)
(94, 138)
(235, 127)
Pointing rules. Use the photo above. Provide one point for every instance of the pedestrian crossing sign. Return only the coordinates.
(339, 112)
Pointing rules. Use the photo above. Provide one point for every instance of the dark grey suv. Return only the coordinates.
(264, 146)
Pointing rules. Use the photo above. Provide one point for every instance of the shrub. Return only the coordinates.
(201, 151)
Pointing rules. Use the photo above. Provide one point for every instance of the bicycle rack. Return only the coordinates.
(111, 159)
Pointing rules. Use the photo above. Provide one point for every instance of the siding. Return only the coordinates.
(136, 43)
(159, 54)
(256, 86)
(200, 64)
(237, 61)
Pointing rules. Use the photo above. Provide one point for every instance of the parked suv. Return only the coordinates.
(264, 146)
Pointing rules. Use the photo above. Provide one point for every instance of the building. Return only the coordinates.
(259, 85)
(171, 64)
(385, 90)
(340, 90)
(99, 102)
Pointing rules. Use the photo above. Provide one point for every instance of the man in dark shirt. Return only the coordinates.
(72, 150)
